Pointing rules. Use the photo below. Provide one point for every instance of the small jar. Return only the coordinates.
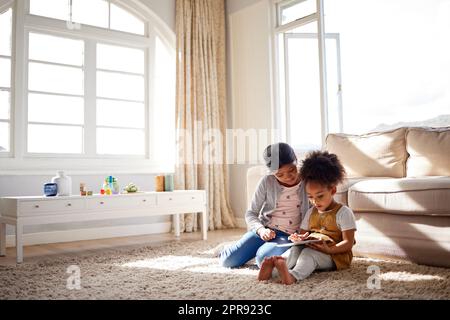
(50, 189)
(159, 183)
(115, 186)
(168, 182)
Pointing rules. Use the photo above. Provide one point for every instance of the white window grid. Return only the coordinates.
(91, 36)
(3, 10)
(29, 91)
(122, 127)
(119, 4)
(281, 106)
(19, 162)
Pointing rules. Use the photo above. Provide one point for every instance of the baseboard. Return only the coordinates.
(90, 234)
(241, 223)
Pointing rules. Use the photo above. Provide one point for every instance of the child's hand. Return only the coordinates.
(266, 234)
(320, 246)
(304, 236)
(298, 237)
(294, 237)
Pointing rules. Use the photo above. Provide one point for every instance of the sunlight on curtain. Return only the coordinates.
(201, 108)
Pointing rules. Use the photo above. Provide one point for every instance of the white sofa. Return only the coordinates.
(398, 185)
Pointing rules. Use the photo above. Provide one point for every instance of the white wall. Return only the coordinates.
(28, 185)
(164, 9)
(237, 5)
(249, 75)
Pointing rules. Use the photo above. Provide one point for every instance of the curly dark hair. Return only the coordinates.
(322, 167)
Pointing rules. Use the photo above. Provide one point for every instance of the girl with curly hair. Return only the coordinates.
(327, 220)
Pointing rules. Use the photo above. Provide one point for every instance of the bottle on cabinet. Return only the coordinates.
(64, 184)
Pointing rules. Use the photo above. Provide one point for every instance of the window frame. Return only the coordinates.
(19, 160)
(146, 103)
(41, 25)
(28, 31)
(281, 111)
(5, 6)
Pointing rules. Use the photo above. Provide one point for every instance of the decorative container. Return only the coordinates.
(64, 184)
(50, 189)
(168, 182)
(159, 183)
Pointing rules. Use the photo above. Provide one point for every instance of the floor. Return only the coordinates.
(56, 249)
(159, 267)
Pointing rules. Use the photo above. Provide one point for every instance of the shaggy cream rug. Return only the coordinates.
(190, 270)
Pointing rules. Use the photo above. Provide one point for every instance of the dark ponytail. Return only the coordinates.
(277, 155)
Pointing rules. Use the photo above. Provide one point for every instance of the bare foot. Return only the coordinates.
(286, 277)
(275, 258)
(265, 273)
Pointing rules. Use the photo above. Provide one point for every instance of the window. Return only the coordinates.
(5, 79)
(80, 81)
(395, 64)
(89, 12)
(55, 94)
(120, 100)
(289, 11)
(55, 9)
(303, 90)
(377, 70)
(299, 69)
(98, 13)
(65, 83)
(123, 21)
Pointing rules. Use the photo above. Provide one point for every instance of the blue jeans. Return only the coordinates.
(251, 246)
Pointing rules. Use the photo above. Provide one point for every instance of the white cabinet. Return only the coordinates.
(31, 208)
(170, 200)
(21, 211)
(117, 203)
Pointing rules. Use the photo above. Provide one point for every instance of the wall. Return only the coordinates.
(21, 185)
(164, 10)
(249, 81)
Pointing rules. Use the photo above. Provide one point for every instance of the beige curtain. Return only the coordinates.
(201, 109)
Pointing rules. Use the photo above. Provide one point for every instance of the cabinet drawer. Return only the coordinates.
(142, 201)
(112, 203)
(173, 199)
(50, 206)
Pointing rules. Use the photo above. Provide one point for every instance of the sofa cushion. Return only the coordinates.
(429, 152)
(341, 195)
(378, 154)
(410, 196)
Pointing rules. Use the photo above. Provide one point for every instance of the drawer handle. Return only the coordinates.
(170, 199)
(36, 206)
(102, 202)
(69, 204)
(193, 198)
(144, 200)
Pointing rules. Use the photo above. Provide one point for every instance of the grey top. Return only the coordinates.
(265, 199)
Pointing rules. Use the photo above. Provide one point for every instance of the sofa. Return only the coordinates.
(398, 185)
